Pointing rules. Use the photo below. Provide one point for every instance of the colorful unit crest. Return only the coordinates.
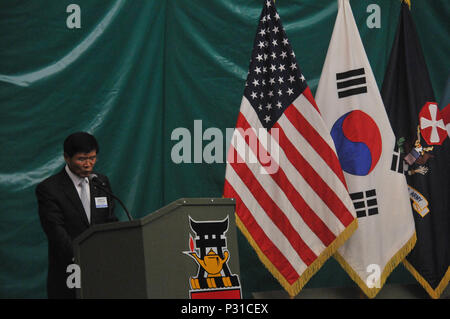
(214, 279)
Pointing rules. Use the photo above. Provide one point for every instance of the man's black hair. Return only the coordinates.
(80, 142)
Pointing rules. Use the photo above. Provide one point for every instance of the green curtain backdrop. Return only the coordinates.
(133, 73)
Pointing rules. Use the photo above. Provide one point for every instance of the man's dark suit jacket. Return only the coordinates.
(63, 218)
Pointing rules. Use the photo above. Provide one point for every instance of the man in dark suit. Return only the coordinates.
(68, 204)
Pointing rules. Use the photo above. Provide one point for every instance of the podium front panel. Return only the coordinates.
(170, 244)
(185, 249)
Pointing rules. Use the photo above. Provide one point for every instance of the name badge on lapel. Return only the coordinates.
(101, 202)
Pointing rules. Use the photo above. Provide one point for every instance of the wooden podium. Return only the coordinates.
(187, 249)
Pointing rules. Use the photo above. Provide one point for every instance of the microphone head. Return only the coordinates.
(96, 180)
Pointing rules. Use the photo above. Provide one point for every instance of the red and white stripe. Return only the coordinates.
(296, 205)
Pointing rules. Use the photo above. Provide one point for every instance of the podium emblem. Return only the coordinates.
(208, 248)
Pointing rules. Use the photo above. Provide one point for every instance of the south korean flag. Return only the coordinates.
(351, 105)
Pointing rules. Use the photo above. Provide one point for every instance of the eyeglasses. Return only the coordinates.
(84, 159)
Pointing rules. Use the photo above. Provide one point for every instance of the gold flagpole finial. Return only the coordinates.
(408, 2)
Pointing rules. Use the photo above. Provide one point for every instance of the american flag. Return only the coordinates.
(292, 203)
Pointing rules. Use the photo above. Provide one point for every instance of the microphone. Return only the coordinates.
(94, 178)
(102, 185)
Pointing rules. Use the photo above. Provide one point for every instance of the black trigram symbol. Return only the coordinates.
(365, 203)
(351, 83)
(397, 160)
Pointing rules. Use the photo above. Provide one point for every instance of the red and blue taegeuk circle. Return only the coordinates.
(358, 142)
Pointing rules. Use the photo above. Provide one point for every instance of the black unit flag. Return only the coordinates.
(409, 100)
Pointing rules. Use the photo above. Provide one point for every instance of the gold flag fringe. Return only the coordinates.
(434, 293)
(294, 288)
(390, 266)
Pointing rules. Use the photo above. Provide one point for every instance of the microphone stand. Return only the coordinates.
(97, 184)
